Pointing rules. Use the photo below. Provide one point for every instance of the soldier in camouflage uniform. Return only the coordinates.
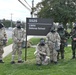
(53, 41)
(64, 35)
(42, 53)
(73, 37)
(17, 36)
(2, 35)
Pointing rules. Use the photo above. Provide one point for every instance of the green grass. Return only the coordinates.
(10, 41)
(34, 41)
(64, 67)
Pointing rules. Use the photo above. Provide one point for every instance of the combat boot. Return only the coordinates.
(1, 61)
(12, 62)
(20, 61)
(38, 64)
(55, 62)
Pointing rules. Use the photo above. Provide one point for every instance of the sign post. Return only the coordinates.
(37, 26)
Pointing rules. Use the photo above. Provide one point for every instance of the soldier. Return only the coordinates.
(17, 36)
(42, 53)
(64, 35)
(53, 41)
(73, 37)
(2, 35)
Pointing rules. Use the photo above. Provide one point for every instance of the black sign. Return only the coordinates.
(38, 26)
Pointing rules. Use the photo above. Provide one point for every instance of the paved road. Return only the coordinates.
(9, 33)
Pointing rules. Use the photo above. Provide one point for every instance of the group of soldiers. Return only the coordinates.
(47, 51)
(51, 49)
(17, 37)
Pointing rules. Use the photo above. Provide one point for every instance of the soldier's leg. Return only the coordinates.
(51, 55)
(13, 54)
(46, 60)
(62, 54)
(58, 54)
(38, 60)
(1, 53)
(73, 50)
(19, 55)
(62, 50)
(55, 53)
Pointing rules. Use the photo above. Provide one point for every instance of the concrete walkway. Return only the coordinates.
(8, 49)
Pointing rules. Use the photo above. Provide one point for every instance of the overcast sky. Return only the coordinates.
(14, 7)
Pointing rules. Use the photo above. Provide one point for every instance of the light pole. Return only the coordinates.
(11, 19)
(32, 9)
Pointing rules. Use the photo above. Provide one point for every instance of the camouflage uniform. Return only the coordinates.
(73, 36)
(2, 35)
(53, 41)
(42, 54)
(17, 36)
(64, 35)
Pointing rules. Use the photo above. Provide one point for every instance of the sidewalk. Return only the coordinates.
(8, 49)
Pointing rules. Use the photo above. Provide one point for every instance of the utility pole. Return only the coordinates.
(32, 9)
(11, 19)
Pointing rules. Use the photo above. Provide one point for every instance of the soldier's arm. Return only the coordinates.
(13, 36)
(23, 33)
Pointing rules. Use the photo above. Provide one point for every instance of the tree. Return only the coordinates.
(62, 11)
(7, 23)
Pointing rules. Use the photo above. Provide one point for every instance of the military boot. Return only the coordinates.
(12, 62)
(20, 61)
(1, 61)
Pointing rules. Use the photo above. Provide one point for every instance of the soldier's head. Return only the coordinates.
(42, 42)
(1, 25)
(52, 29)
(18, 24)
(60, 27)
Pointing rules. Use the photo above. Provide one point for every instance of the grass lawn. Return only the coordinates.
(9, 41)
(64, 67)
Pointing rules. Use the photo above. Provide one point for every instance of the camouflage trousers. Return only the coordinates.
(53, 54)
(74, 49)
(1, 52)
(1, 49)
(61, 51)
(44, 60)
(16, 49)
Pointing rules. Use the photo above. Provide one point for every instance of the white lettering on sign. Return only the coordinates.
(33, 28)
(32, 20)
(32, 25)
(41, 28)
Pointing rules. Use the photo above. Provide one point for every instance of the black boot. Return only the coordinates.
(1, 61)
(20, 61)
(12, 62)
(62, 55)
(55, 62)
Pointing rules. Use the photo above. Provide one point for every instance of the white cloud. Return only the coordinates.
(17, 9)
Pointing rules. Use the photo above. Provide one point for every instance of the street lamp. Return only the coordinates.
(32, 9)
(11, 19)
